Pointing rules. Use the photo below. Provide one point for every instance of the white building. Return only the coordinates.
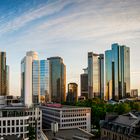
(30, 81)
(15, 120)
(68, 117)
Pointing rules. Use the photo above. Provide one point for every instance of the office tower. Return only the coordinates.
(7, 79)
(57, 79)
(84, 83)
(95, 75)
(3, 73)
(44, 81)
(117, 66)
(72, 95)
(30, 79)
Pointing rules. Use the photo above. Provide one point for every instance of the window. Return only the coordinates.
(13, 122)
(4, 123)
(17, 122)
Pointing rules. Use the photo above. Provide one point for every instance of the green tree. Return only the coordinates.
(31, 132)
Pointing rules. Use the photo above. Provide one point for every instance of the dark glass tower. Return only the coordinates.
(84, 83)
(95, 75)
(72, 95)
(57, 79)
(117, 65)
(3, 80)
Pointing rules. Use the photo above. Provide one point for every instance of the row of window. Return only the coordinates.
(73, 124)
(77, 110)
(73, 115)
(13, 122)
(13, 129)
(74, 120)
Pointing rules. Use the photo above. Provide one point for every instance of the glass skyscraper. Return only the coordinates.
(44, 81)
(95, 75)
(57, 79)
(3, 74)
(72, 96)
(84, 83)
(117, 66)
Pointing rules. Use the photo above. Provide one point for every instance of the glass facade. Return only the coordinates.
(44, 81)
(117, 72)
(57, 79)
(95, 75)
(72, 95)
(3, 90)
(84, 83)
(7, 79)
(36, 81)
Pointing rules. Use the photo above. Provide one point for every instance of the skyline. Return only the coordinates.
(69, 29)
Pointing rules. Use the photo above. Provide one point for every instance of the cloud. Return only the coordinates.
(31, 15)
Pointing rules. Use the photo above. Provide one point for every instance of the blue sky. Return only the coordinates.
(69, 29)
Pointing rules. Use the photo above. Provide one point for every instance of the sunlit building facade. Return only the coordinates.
(57, 79)
(30, 79)
(95, 75)
(7, 79)
(117, 66)
(44, 81)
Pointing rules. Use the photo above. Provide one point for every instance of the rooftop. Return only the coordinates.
(68, 134)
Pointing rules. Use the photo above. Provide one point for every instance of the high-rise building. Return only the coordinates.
(72, 95)
(30, 79)
(7, 79)
(3, 81)
(95, 75)
(84, 83)
(44, 81)
(117, 66)
(57, 79)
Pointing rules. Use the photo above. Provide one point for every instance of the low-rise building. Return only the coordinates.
(122, 127)
(15, 121)
(68, 117)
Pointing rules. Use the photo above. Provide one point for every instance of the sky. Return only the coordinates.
(69, 29)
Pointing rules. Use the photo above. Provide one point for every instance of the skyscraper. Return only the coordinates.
(72, 95)
(95, 75)
(117, 66)
(30, 79)
(44, 81)
(7, 79)
(84, 83)
(57, 79)
(3, 82)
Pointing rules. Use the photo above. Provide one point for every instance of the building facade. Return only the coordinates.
(134, 93)
(30, 79)
(7, 79)
(122, 127)
(57, 79)
(72, 95)
(84, 83)
(117, 69)
(3, 77)
(95, 75)
(16, 120)
(44, 81)
(68, 117)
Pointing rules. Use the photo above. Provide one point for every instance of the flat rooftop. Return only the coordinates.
(61, 107)
(68, 134)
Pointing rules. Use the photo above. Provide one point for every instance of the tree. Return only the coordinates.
(31, 132)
